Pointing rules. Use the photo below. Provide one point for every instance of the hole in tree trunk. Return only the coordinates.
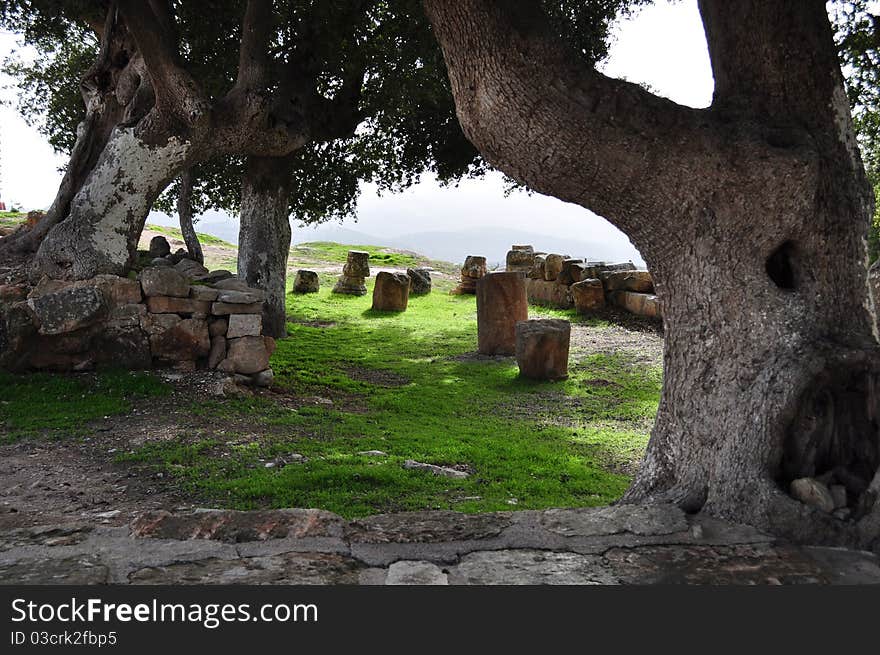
(781, 266)
(834, 437)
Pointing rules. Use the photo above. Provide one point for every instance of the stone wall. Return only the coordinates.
(564, 282)
(180, 316)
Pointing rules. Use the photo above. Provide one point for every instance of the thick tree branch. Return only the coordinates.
(253, 57)
(537, 112)
(177, 94)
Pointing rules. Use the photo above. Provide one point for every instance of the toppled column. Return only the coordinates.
(391, 292)
(306, 282)
(501, 302)
(419, 281)
(520, 259)
(356, 269)
(542, 348)
(474, 268)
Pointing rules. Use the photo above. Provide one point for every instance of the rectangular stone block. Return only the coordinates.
(202, 292)
(244, 325)
(174, 305)
(224, 309)
(641, 304)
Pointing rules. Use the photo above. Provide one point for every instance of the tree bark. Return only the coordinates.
(752, 217)
(185, 214)
(264, 235)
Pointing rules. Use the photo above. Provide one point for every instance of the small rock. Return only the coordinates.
(843, 513)
(373, 453)
(436, 470)
(108, 515)
(263, 378)
(812, 492)
(409, 572)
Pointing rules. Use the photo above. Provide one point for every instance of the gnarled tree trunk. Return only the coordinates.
(264, 235)
(185, 214)
(752, 217)
(107, 216)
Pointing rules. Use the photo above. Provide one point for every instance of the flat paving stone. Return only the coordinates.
(425, 527)
(408, 572)
(530, 567)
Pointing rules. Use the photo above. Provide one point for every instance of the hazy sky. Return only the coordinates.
(663, 45)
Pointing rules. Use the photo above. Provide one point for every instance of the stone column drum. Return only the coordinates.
(357, 267)
(391, 292)
(501, 302)
(542, 348)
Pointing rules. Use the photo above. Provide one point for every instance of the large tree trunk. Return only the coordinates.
(107, 216)
(264, 235)
(185, 214)
(114, 89)
(752, 217)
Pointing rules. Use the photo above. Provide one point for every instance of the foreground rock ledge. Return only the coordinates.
(627, 544)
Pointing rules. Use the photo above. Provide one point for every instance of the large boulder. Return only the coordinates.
(391, 292)
(419, 281)
(542, 348)
(501, 302)
(588, 295)
(67, 309)
(306, 282)
(157, 281)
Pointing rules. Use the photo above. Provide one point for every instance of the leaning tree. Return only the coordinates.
(752, 216)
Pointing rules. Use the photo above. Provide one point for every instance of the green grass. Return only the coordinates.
(11, 219)
(204, 239)
(62, 405)
(336, 253)
(527, 444)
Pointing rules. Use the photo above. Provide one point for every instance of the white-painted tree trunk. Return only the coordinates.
(107, 216)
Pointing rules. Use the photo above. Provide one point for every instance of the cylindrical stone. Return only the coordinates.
(501, 302)
(542, 348)
(391, 292)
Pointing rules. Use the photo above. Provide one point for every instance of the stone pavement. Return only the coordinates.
(607, 545)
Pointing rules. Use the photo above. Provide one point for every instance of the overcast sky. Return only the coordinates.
(663, 45)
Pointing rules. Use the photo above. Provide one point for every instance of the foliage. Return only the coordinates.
(858, 39)
(409, 125)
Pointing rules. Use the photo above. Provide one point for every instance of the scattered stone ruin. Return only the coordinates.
(176, 315)
(419, 281)
(542, 347)
(391, 292)
(354, 272)
(306, 282)
(474, 268)
(501, 302)
(564, 282)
